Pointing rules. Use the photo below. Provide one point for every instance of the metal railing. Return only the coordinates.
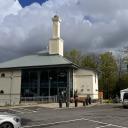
(41, 99)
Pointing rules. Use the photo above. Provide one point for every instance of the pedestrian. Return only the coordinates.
(86, 100)
(60, 99)
(89, 99)
(66, 99)
(76, 98)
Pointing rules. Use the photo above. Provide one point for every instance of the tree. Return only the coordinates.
(84, 61)
(74, 56)
(108, 76)
(122, 62)
(88, 61)
(106, 65)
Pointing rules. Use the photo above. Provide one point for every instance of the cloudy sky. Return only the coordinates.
(87, 25)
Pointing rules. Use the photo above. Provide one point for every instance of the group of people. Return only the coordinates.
(62, 98)
(87, 99)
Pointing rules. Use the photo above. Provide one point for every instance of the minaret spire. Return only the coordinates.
(56, 43)
(56, 27)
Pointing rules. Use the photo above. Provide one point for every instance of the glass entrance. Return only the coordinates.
(44, 82)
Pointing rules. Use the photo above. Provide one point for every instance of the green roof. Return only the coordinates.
(36, 60)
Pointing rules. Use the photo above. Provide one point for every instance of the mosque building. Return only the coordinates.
(45, 74)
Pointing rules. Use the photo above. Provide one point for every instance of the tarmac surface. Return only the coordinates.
(50, 116)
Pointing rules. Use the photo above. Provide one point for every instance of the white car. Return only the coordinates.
(9, 121)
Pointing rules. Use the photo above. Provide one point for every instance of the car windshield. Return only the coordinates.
(126, 96)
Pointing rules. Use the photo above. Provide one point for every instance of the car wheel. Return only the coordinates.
(6, 125)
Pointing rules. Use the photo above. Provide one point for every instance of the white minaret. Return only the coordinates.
(56, 43)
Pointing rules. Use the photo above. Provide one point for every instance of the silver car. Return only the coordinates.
(9, 121)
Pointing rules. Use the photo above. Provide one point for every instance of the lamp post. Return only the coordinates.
(49, 88)
(11, 90)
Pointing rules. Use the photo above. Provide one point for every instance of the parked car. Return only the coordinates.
(125, 100)
(9, 121)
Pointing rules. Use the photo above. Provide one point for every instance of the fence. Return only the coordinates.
(41, 99)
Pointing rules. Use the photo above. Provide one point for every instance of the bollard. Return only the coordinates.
(101, 100)
(86, 101)
(60, 104)
(67, 104)
(76, 103)
(83, 103)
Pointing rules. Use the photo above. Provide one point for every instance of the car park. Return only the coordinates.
(9, 121)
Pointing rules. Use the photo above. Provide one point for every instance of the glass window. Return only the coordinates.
(3, 75)
(125, 95)
(62, 78)
(25, 76)
(44, 78)
(53, 78)
(33, 76)
(29, 83)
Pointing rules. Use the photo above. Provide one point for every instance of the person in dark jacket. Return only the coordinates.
(89, 99)
(76, 98)
(86, 100)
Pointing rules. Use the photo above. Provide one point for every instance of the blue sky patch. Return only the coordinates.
(25, 3)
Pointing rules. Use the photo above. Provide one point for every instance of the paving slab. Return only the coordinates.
(47, 105)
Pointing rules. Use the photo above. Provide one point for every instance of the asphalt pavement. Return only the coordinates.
(97, 116)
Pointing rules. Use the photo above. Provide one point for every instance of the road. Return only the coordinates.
(99, 116)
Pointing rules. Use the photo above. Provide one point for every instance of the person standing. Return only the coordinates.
(76, 98)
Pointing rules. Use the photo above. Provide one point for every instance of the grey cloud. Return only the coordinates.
(28, 30)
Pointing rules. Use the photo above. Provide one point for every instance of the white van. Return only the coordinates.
(125, 100)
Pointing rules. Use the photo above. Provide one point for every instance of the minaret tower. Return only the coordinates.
(56, 43)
